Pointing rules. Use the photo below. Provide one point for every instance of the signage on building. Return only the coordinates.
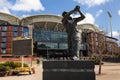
(22, 47)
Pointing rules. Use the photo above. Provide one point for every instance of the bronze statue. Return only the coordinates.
(70, 25)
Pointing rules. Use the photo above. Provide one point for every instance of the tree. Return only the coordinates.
(101, 48)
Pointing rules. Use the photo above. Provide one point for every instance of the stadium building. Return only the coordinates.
(49, 35)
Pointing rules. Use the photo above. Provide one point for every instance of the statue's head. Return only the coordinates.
(65, 13)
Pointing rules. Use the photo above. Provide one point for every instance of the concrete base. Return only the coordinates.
(68, 70)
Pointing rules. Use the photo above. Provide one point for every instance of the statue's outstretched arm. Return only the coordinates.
(81, 17)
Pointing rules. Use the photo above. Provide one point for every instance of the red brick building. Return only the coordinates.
(7, 33)
(109, 44)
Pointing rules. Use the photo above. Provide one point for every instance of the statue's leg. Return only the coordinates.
(76, 47)
(70, 47)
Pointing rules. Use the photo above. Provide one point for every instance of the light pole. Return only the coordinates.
(110, 16)
(119, 38)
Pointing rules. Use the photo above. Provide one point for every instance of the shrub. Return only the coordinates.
(19, 64)
(14, 65)
(10, 64)
(96, 60)
(4, 68)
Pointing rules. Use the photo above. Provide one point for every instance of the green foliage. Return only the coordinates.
(4, 68)
(10, 64)
(13, 65)
(18, 64)
(96, 60)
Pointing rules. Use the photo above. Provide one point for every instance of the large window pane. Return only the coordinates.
(47, 45)
(63, 46)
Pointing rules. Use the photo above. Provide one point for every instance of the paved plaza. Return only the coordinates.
(110, 71)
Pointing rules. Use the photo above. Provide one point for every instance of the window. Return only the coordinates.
(3, 50)
(15, 34)
(109, 47)
(3, 45)
(63, 46)
(53, 45)
(4, 28)
(4, 39)
(47, 45)
(15, 28)
(3, 33)
(82, 46)
(25, 35)
(25, 31)
(96, 43)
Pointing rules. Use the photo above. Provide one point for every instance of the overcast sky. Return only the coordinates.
(94, 10)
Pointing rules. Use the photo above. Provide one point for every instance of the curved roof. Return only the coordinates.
(9, 18)
(43, 15)
(53, 21)
(88, 26)
(41, 18)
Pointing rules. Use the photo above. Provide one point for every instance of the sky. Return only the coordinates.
(94, 10)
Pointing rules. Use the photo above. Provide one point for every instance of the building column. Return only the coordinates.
(30, 28)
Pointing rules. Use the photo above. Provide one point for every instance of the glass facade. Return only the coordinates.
(50, 39)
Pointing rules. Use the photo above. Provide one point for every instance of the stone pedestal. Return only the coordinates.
(68, 70)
